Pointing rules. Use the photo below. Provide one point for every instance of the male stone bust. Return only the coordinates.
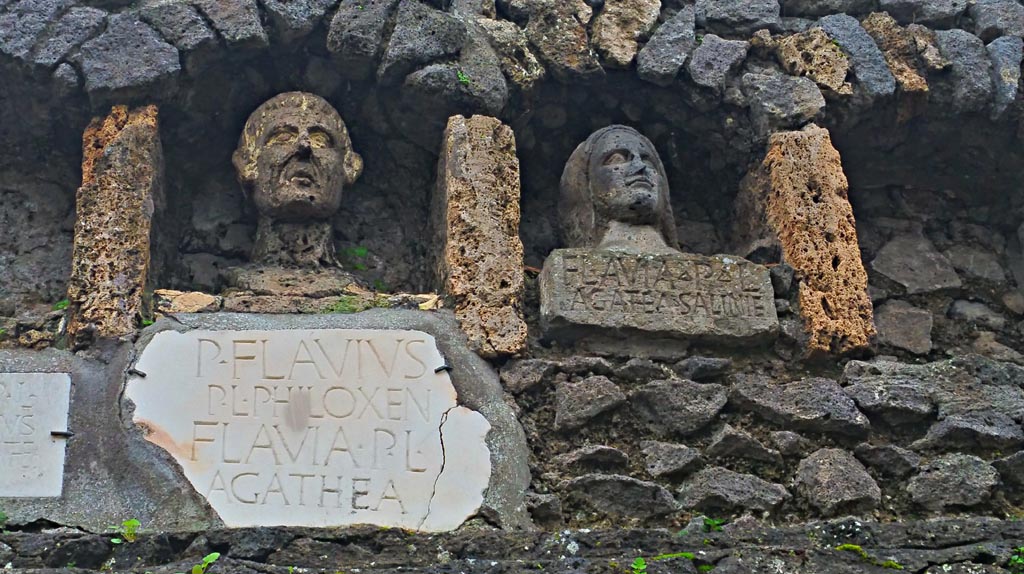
(622, 275)
(615, 194)
(294, 159)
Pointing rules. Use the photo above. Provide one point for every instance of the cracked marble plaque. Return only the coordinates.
(32, 405)
(314, 427)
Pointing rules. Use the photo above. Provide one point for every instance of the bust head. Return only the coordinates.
(294, 158)
(614, 176)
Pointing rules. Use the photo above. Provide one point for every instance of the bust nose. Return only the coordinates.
(636, 164)
(303, 144)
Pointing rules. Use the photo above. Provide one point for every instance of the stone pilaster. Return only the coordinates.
(796, 203)
(476, 222)
(122, 181)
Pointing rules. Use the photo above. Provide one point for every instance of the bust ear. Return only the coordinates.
(244, 164)
(353, 167)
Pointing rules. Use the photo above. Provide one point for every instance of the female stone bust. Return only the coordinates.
(614, 195)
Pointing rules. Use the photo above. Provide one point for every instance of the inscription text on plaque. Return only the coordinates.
(677, 295)
(314, 428)
(32, 405)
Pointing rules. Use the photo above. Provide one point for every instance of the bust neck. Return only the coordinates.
(632, 238)
(294, 244)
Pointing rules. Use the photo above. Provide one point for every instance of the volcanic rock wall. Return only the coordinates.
(921, 98)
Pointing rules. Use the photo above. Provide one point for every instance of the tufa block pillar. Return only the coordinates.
(475, 215)
(122, 178)
(796, 203)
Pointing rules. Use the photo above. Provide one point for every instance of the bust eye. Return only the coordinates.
(615, 157)
(281, 137)
(319, 140)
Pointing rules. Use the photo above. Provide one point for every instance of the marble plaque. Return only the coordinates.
(719, 298)
(314, 427)
(32, 405)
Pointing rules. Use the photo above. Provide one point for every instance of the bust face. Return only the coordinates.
(295, 158)
(625, 179)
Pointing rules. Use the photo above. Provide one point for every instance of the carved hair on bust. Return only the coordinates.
(615, 175)
(294, 157)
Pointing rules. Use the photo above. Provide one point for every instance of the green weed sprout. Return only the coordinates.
(203, 566)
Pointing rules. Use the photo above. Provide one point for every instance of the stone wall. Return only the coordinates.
(921, 99)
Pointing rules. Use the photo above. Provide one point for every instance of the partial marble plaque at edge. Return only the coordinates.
(33, 405)
(721, 298)
(314, 427)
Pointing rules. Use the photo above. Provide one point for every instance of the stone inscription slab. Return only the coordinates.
(314, 427)
(32, 405)
(718, 298)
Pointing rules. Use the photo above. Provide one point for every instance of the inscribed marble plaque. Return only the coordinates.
(315, 427)
(32, 405)
(718, 298)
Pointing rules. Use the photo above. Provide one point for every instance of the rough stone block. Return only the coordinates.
(24, 22)
(904, 326)
(779, 101)
(912, 262)
(595, 456)
(122, 181)
(738, 16)
(935, 13)
(813, 54)
(815, 405)
(577, 403)
(976, 431)
(888, 460)
(558, 30)
(181, 24)
(476, 222)
(75, 27)
(667, 459)
(897, 402)
(715, 490)
(953, 481)
(810, 8)
(714, 59)
(677, 407)
(109, 67)
(835, 482)
(516, 57)
(995, 18)
(237, 21)
(960, 386)
(868, 63)
(967, 86)
(293, 19)
(1006, 54)
(422, 35)
(168, 301)
(356, 34)
(797, 199)
(619, 495)
(619, 26)
(668, 49)
(902, 54)
(731, 442)
(591, 294)
(976, 314)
